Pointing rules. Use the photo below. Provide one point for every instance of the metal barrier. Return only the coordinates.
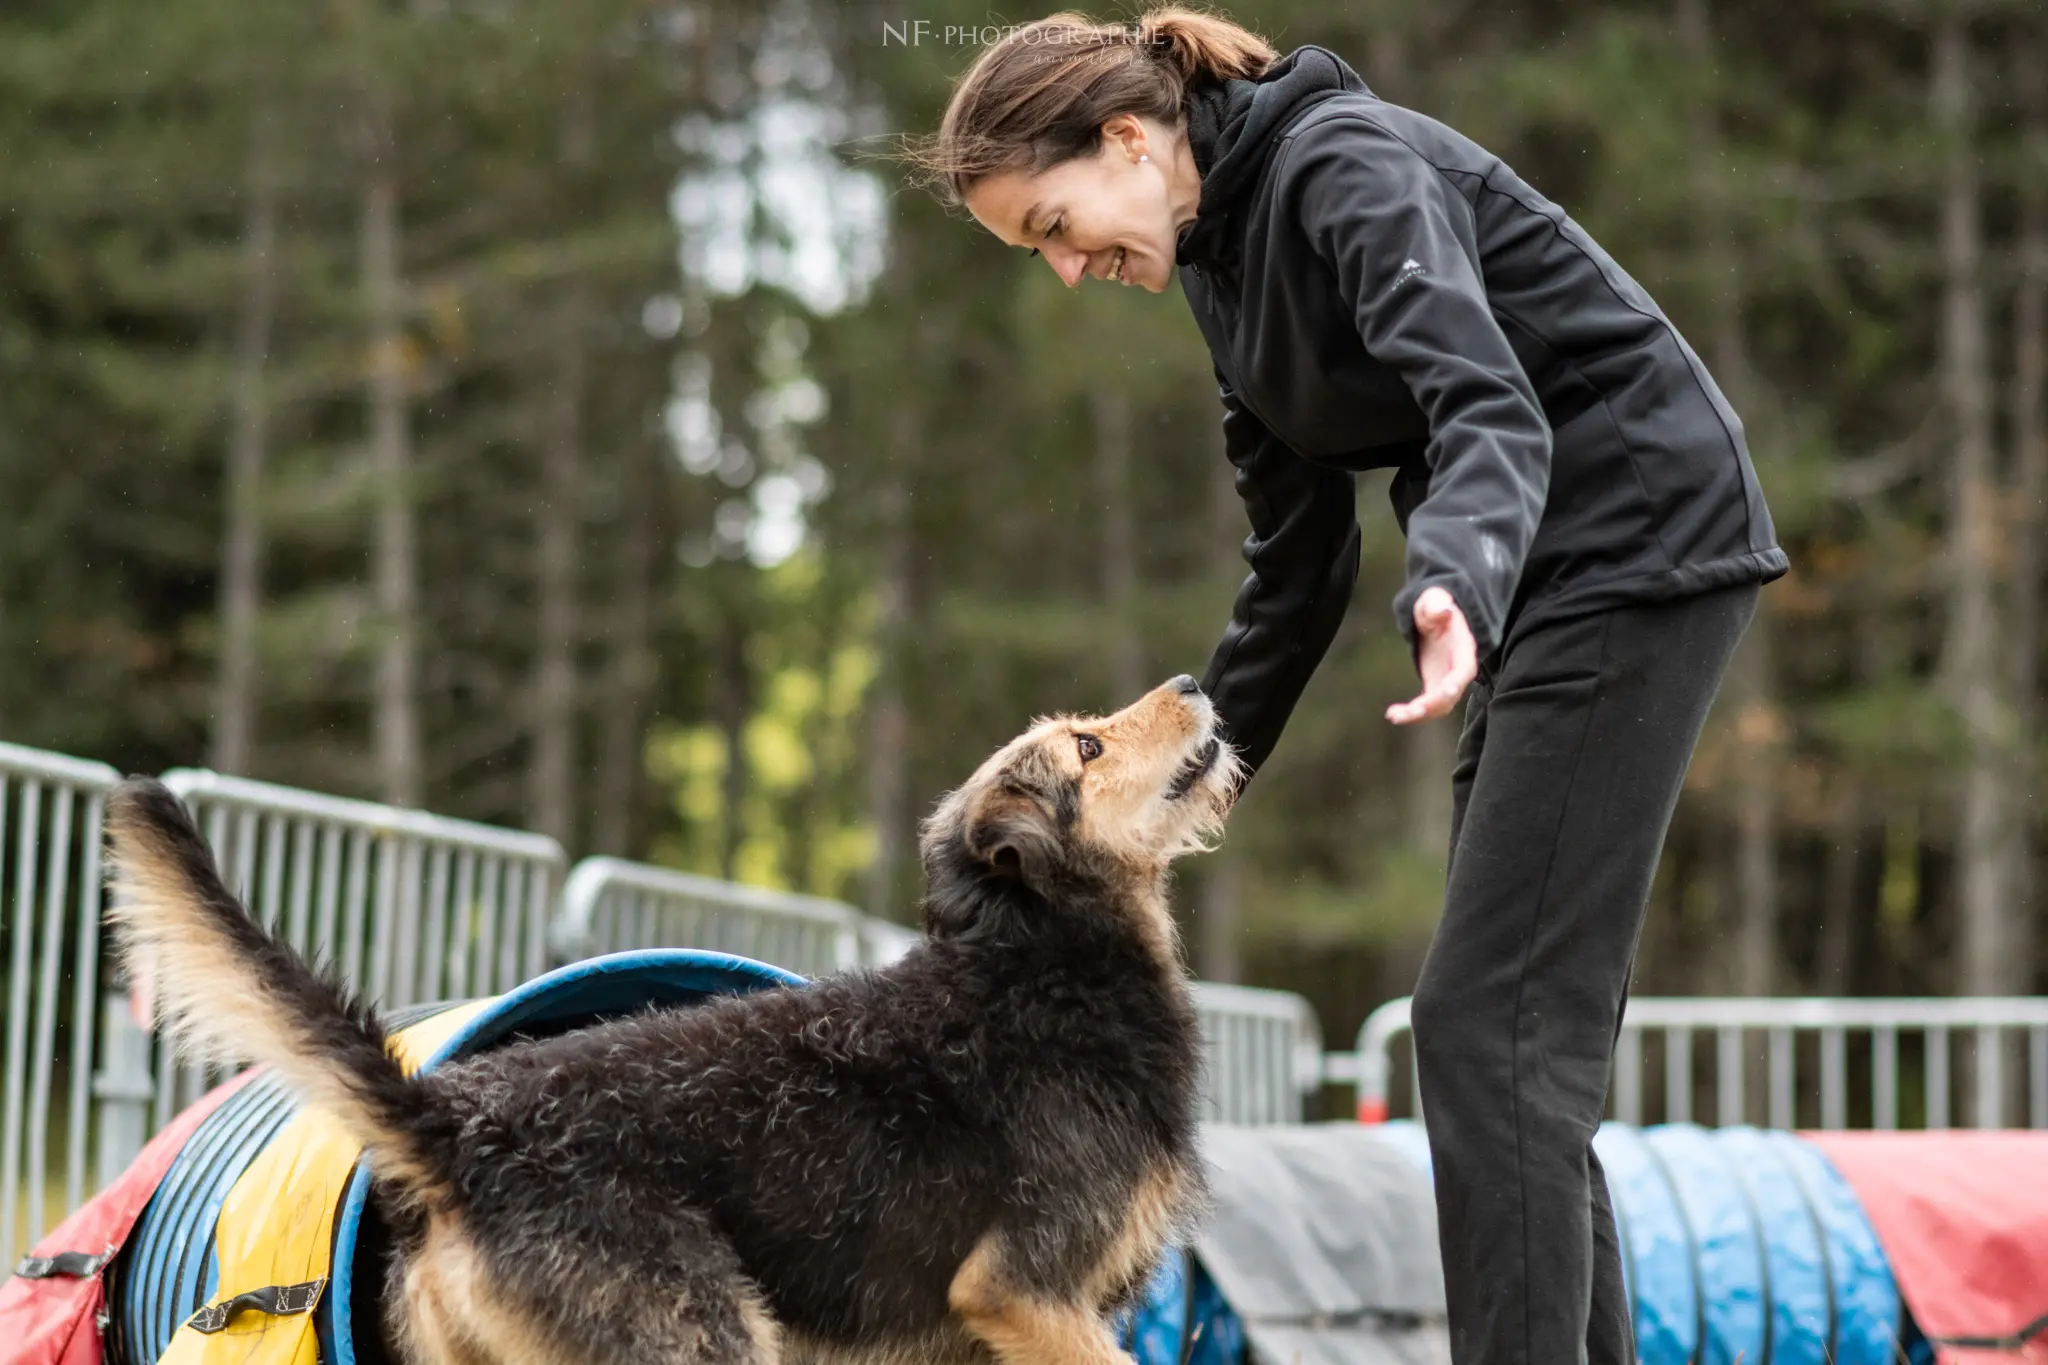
(410, 907)
(1264, 1054)
(1264, 1047)
(610, 905)
(883, 941)
(50, 813)
(1907, 1077)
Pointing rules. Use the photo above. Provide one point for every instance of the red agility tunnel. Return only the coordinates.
(1963, 1217)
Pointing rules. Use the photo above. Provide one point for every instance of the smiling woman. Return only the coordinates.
(1585, 532)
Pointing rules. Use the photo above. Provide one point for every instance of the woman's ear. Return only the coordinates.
(1128, 136)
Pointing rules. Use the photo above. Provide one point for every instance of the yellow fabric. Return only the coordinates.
(277, 1224)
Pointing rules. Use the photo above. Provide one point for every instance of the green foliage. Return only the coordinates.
(793, 830)
(1395, 898)
(839, 452)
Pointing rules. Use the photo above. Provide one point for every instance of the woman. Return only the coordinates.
(1585, 537)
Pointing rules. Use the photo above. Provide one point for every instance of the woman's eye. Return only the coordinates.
(1089, 745)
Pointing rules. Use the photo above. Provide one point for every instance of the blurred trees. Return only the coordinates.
(560, 415)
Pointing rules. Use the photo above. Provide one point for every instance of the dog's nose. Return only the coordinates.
(1185, 685)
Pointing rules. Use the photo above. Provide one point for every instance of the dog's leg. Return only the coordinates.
(1023, 1329)
(675, 1327)
(674, 1294)
(675, 1324)
(435, 1315)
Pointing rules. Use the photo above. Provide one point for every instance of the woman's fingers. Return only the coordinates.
(1407, 712)
(1431, 703)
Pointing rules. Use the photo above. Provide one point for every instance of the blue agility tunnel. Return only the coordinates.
(1745, 1244)
(1182, 1318)
(253, 1173)
(1739, 1245)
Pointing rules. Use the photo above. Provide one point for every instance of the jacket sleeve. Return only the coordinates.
(1403, 244)
(1303, 553)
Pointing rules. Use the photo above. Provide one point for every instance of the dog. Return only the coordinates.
(977, 1153)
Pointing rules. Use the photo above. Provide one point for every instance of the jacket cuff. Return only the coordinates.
(1484, 636)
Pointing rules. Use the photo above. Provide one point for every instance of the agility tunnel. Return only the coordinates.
(1740, 1245)
(244, 1232)
(239, 1233)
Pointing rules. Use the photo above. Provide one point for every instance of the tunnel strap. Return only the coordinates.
(2011, 1341)
(274, 1300)
(76, 1265)
(1810, 1201)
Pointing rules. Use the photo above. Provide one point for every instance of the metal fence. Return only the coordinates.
(611, 905)
(50, 813)
(415, 907)
(1263, 1047)
(410, 907)
(882, 942)
(1824, 1063)
(1264, 1054)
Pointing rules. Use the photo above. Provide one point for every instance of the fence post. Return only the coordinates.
(122, 1088)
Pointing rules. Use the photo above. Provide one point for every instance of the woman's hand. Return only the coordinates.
(1446, 655)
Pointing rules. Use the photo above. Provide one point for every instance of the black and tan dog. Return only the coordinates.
(973, 1154)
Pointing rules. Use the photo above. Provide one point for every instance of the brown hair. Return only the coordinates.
(1040, 96)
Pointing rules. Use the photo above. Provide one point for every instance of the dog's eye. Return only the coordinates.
(1089, 745)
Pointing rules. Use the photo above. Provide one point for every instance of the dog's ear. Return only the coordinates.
(1012, 831)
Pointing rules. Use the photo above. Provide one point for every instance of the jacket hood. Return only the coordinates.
(1232, 127)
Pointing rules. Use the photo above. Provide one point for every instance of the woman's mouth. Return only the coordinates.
(1116, 267)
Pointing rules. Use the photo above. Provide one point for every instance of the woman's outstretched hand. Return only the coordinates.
(1446, 655)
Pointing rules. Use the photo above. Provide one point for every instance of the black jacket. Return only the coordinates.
(1378, 291)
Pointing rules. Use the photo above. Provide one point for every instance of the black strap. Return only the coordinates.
(1388, 1319)
(76, 1265)
(276, 1300)
(2012, 1341)
(1692, 1256)
(1190, 1329)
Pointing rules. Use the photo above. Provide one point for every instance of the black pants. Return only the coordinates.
(1569, 767)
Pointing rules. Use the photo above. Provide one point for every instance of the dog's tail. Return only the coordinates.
(229, 991)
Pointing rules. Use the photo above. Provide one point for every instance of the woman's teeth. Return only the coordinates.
(1116, 267)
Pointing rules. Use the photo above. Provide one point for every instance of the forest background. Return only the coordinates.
(563, 415)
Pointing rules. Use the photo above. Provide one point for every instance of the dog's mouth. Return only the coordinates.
(1194, 769)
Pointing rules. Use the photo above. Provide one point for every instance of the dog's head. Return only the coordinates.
(1081, 809)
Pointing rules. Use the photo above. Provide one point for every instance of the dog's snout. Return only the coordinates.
(1185, 685)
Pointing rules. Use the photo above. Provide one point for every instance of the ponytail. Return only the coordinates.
(1201, 46)
(1040, 96)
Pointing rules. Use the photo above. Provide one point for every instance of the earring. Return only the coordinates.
(1144, 156)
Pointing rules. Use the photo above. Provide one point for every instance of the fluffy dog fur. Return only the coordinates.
(973, 1154)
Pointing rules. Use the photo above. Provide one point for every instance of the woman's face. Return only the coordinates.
(1110, 216)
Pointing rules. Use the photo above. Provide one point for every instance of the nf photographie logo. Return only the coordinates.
(923, 32)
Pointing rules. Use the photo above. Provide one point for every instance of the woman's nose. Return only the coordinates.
(1069, 265)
